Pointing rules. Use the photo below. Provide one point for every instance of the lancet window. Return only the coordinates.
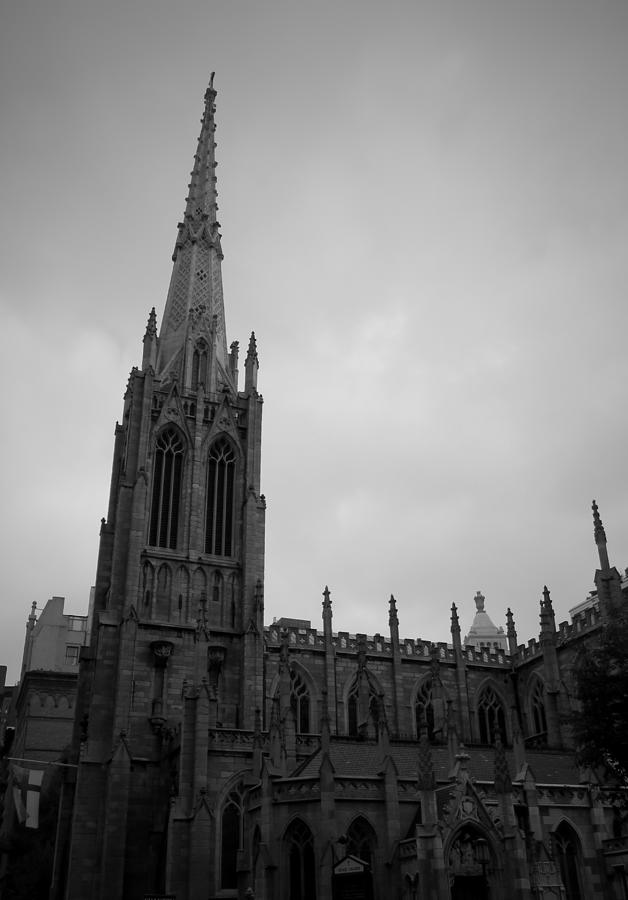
(300, 702)
(220, 499)
(301, 867)
(568, 853)
(353, 707)
(361, 840)
(231, 838)
(537, 708)
(491, 717)
(199, 365)
(424, 710)
(167, 476)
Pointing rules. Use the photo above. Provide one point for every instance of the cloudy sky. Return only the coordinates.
(424, 210)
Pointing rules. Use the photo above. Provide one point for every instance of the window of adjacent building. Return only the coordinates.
(164, 520)
(72, 654)
(231, 839)
(301, 867)
(491, 717)
(76, 624)
(220, 499)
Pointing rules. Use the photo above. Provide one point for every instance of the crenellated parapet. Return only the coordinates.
(379, 645)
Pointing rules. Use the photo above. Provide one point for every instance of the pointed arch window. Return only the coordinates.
(424, 710)
(166, 499)
(569, 857)
(220, 499)
(300, 702)
(231, 838)
(537, 707)
(491, 716)
(361, 840)
(301, 868)
(353, 708)
(199, 365)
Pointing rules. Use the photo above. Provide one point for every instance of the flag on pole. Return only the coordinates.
(26, 792)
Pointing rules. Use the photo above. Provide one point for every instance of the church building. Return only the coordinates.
(219, 757)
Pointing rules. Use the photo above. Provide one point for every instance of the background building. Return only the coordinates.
(216, 753)
(37, 731)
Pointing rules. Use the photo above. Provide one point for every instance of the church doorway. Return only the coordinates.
(469, 887)
(471, 866)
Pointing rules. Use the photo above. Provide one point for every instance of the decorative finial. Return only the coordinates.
(511, 632)
(393, 618)
(454, 616)
(151, 327)
(479, 601)
(210, 93)
(548, 622)
(600, 537)
(252, 351)
(326, 600)
(598, 528)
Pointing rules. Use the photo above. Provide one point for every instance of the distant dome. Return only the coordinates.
(484, 634)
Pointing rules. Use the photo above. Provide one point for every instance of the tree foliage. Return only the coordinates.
(601, 726)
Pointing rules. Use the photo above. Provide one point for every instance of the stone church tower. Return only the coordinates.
(178, 617)
(215, 754)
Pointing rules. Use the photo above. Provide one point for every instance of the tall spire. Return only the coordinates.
(194, 314)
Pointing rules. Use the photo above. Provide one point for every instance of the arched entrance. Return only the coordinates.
(469, 887)
(470, 866)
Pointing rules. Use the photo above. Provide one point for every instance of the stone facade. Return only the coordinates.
(216, 754)
(38, 728)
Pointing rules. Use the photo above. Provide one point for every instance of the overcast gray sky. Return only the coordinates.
(425, 221)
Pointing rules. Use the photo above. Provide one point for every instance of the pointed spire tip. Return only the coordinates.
(598, 527)
(252, 351)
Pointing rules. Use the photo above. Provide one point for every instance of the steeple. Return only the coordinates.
(181, 557)
(192, 341)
